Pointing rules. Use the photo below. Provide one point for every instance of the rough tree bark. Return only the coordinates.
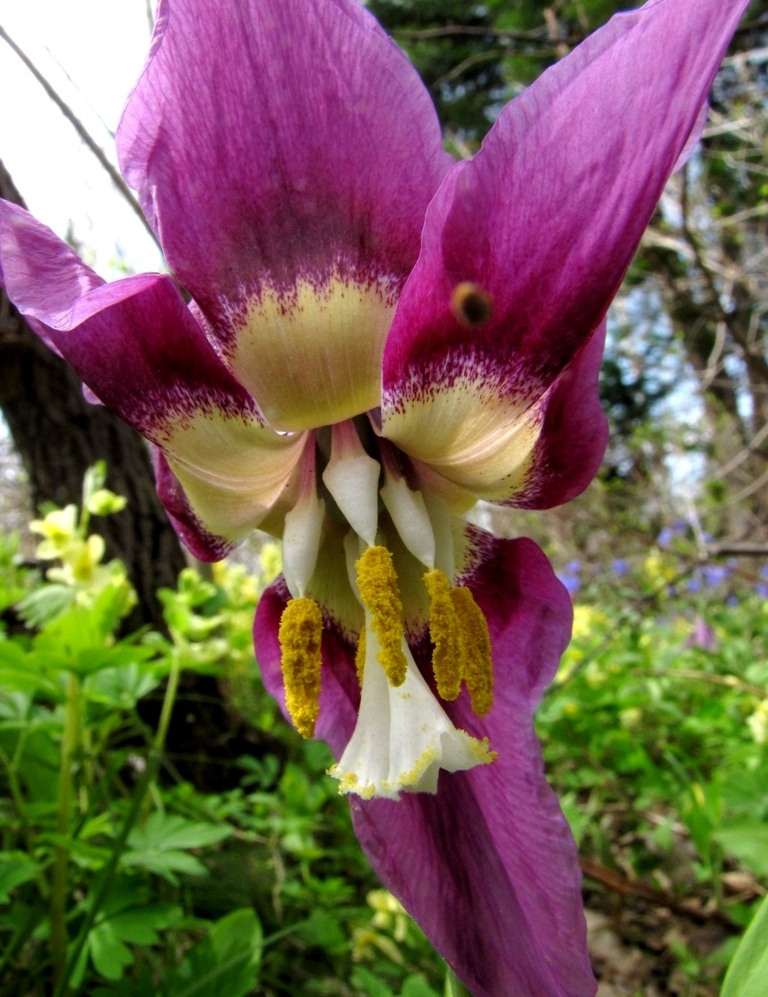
(58, 435)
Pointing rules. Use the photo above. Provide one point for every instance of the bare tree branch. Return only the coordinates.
(69, 114)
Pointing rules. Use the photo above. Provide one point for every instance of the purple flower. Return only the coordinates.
(702, 636)
(377, 337)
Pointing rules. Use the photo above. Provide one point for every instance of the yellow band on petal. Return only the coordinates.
(476, 661)
(377, 582)
(300, 634)
(445, 634)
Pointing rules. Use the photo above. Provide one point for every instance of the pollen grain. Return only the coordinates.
(445, 634)
(377, 582)
(360, 657)
(300, 635)
(476, 660)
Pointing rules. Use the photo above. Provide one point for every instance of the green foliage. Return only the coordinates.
(474, 57)
(748, 971)
(656, 731)
(117, 878)
(120, 879)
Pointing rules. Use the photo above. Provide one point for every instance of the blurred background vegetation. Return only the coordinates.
(164, 831)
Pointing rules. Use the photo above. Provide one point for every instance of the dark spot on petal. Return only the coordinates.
(470, 304)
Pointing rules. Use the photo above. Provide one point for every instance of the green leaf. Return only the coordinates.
(417, 986)
(748, 971)
(157, 846)
(45, 603)
(122, 687)
(324, 931)
(15, 869)
(165, 863)
(140, 925)
(169, 831)
(226, 963)
(369, 983)
(747, 839)
(109, 955)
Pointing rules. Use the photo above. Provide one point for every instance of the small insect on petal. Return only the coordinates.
(470, 304)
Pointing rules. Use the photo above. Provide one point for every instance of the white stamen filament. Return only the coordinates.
(352, 478)
(410, 517)
(403, 736)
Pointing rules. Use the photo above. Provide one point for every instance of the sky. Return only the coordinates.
(101, 46)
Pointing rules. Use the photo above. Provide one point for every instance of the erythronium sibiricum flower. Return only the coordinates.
(377, 337)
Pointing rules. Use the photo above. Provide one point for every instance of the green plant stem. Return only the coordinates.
(58, 906)
(147, 779)
(453, 985)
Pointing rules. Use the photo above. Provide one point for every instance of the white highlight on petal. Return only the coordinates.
(352, 478)
(403, 736)
(410, 517)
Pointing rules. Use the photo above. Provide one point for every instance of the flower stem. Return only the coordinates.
(142, 787)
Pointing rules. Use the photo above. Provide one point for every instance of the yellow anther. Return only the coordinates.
(360, 657)
(379, 593)
(300, 634)
(476, 661)
(445, 634)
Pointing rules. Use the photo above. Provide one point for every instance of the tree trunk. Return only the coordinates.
(58, 435)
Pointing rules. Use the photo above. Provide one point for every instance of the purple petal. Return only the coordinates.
(488, 866)
(274, 143)
(140, 349)
(545, 219)
(573, 436)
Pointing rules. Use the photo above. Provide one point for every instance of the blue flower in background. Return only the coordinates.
(664, 539)
(715, 574)
(572, 583)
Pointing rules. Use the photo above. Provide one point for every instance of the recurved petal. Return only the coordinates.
(488, 866)
(573, 437)
(142, 352)
(205, 545)
(525, 246)
(285, 153)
